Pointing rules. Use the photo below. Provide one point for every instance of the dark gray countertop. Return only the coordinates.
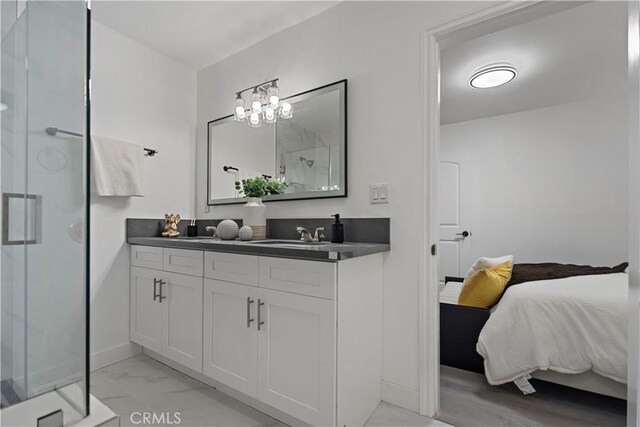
(323, 251)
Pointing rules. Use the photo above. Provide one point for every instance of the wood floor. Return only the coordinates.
(466, 399)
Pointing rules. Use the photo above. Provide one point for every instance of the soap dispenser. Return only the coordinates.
(337, 230)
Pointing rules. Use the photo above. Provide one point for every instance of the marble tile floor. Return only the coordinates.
(142, 384)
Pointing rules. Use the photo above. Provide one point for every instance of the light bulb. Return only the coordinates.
(286, 111)
(273, 101)
(269, 115)
(272, 94)
(240, 114)
(254, 120)
(256, 101)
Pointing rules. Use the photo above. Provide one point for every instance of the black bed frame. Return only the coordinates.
(460, 327)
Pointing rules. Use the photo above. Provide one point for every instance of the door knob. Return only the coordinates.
(464, 234)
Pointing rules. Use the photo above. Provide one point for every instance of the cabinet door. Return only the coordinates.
(182, 319)
(296, 355)
(145, 318)
(230, 339)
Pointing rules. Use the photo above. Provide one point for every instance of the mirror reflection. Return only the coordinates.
(307, 151)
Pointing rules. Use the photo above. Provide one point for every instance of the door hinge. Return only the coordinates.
(433, 249)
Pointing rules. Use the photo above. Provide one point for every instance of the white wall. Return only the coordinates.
(376, 46)
(145, 98)
(548, 184)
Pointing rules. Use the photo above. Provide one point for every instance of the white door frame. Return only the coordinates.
(633, 352)
(429, 328)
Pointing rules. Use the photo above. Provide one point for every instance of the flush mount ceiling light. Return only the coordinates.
(492, 76)
(265, 105)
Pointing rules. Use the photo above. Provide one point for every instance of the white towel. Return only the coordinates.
(117, 167)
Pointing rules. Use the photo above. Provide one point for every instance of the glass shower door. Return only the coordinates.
(13, 167)
(44, 248)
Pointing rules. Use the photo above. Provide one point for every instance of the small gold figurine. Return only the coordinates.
(171, 225)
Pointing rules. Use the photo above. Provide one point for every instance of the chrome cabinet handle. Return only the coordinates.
(155, 288)
(249, 319)
(260, 322)
(160, 297)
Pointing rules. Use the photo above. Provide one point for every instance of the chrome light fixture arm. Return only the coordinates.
(265, 105)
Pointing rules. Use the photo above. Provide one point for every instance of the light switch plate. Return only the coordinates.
(378, 193)
(384, 193)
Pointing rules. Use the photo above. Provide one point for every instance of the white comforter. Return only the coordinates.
(567, 325)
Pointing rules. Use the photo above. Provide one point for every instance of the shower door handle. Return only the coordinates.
(28, 207)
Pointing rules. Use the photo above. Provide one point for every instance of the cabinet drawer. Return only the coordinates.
(146, 256)
(312, 278)
(183, 261)
(231, 268)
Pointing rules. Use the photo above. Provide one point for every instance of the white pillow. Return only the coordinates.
(484, 262)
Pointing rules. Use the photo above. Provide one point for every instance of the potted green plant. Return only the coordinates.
(254, 211)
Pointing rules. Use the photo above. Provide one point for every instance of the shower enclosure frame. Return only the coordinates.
(87, 214)
(37, 91)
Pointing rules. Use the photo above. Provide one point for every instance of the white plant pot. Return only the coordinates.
(254, 213)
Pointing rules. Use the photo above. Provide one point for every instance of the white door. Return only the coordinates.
(230, 335)
(181, 302)
(296, 355)
(455, 239)
(145, 319)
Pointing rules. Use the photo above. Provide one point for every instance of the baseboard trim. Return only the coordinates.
(401, 396)
(111, 355)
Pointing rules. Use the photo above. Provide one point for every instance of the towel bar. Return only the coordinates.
(53, 131)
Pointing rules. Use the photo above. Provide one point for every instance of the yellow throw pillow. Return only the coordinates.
(485, 287)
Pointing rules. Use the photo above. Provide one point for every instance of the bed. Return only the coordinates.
(570, 331)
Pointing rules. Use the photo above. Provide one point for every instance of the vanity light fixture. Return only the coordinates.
(265, 106)
(493, 76)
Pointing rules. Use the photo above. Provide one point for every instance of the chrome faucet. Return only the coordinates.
(305, 235)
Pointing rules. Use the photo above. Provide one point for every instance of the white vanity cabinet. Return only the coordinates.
(297, 356)
(145, 319)
(166, 308)
(303, 337)
(230, 335)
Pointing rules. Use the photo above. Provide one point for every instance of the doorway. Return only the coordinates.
(435, 223)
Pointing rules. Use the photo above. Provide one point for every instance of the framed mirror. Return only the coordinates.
(308, 151)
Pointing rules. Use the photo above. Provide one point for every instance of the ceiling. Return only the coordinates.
(573, 55)
(200, 33)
